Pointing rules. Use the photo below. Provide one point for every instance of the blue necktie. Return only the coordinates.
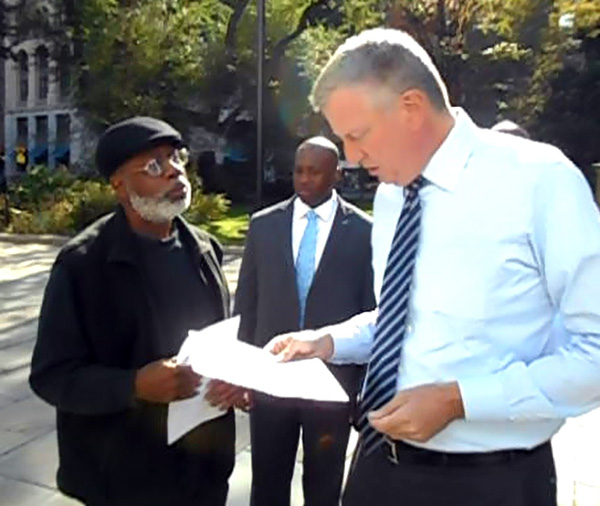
(305, 262)
(381, 379)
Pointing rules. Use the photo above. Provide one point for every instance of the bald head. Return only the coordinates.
(316, 170)
(323, 143)
(509, 127)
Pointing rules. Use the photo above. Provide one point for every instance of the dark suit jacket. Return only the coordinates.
(267, 295)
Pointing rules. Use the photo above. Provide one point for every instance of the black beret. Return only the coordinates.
(128, 138)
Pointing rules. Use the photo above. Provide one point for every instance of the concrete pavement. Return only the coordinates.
(28, 454)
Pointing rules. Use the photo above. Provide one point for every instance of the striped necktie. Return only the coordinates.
(382, 373)
(305, 262)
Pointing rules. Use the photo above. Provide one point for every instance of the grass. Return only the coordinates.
(231, 230)
(365, 205)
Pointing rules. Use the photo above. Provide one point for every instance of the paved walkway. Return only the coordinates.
(28, 455)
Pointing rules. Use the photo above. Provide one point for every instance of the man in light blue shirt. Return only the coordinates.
(508, 236)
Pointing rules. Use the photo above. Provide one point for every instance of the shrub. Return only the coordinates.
(4, 212)
(45, 201)
(40, 187)
(91, 199)
(205, 207)
(56, 219)
(56, 202)
(78, 207)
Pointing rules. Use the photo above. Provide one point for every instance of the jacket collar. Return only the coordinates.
(324, 211)
(124, 246)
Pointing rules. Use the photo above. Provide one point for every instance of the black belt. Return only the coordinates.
(398, 451)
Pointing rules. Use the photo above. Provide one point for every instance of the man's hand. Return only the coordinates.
(224, 395)
(419, 413)
(299, 345)
(246, 402)
(164, 381)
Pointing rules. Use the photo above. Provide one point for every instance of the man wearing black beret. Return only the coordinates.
(119, 302)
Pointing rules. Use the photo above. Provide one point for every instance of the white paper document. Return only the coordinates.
(186, 414)
(215, 352)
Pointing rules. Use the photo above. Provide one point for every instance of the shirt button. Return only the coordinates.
(409, 329)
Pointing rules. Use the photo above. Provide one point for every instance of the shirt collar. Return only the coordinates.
(447, 163)
(323, 211)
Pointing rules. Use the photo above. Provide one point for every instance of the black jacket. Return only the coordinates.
(267, 295)
(97, 327)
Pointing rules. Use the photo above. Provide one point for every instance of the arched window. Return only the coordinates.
(23, 76)
(41, 65)
(64, 72)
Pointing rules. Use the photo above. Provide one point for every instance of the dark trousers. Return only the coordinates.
(528, 479)
(275, 429)
(194, 471)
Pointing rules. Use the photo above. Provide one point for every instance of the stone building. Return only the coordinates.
(40, 123)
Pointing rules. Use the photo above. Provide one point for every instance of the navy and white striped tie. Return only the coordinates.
(382, 373)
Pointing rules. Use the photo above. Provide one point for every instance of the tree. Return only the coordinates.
(44, 21)
(193, 62)
(570, 114)
(534, 61)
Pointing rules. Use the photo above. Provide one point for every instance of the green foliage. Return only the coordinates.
(189, 61)
(499, 57)
(89, 200)
(584, 14)
(52, 220)
(232, 228)
(184, 60)
(40, 187)
(314, 47)
(205, 208)
(55, 202)
(504, 51)
(141, 56)
(570, 116)
(48, 201)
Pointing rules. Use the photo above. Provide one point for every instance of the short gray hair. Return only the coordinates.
(383, 56)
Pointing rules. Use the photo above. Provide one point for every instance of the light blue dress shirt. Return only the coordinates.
(510, 238)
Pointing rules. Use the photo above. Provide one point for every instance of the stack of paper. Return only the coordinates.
(215, 353)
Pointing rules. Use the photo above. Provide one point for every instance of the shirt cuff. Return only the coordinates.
(347, 349)
(483, 399)
(343, 351)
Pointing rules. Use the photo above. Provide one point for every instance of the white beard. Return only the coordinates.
(159, 209)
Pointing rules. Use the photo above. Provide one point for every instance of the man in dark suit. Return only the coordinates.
(120, 300)
(307, 263)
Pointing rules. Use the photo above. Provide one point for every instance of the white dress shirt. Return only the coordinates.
(325, 214)
(510, 237)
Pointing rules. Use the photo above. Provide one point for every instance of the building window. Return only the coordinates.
(22, 131)
(21, 153)
(41, 65)
(62, 154)
(23, 76)
(40, 153)
(64, 72)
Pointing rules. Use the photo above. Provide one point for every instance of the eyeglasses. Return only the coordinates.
(156, 167)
